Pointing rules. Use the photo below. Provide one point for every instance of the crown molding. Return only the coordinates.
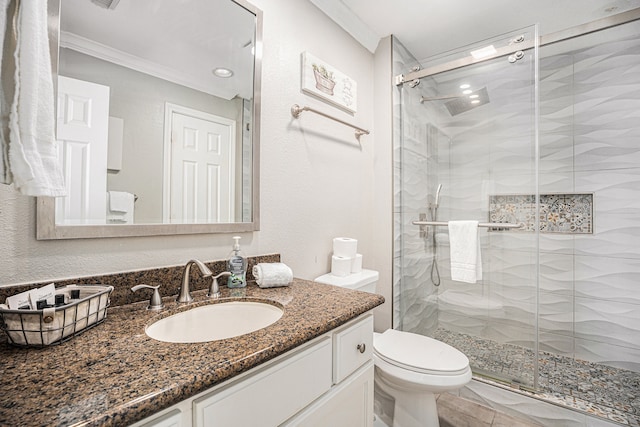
(98, 50)
(350, 22)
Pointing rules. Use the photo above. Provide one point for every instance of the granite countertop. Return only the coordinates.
(114, 375)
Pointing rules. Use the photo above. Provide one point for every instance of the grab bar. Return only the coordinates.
(296, 110)
(482, 224)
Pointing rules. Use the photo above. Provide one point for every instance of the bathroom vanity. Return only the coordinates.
(311, 367)
(328, 381)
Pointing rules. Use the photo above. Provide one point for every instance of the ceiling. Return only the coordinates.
(430, 27)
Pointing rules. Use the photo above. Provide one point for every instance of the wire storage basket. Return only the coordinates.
(50, 326)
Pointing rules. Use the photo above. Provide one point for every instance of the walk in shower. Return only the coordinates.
(545, 140)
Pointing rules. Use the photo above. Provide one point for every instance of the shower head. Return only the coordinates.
(461, 103)
(437, 199)
(466, 103)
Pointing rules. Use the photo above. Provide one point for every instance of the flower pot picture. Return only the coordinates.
(324, 79)
(325, 82)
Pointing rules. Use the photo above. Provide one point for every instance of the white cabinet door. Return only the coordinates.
(349, 404)
(271, 396)
(352, 347)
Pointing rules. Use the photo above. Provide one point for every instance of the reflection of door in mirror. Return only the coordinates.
(83, 116)
(200, 152)
(150, 56)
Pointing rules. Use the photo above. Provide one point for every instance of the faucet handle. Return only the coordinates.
(155, 303)
(214, 290)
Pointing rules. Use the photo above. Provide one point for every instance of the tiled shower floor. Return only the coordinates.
(599, 390)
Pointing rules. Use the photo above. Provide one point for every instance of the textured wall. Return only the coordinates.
(415, 182)
(590, 305)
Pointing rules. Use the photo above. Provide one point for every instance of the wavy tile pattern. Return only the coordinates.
(576, 294)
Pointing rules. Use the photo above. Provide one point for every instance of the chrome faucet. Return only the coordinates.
(185, 293)
(214, 290)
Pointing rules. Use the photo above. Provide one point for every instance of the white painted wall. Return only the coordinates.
(317, 182)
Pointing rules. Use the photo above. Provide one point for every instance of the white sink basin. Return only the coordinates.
(214, 322)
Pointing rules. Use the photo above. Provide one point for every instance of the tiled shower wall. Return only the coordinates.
(589, 300)
(589, 133)
(415, 172)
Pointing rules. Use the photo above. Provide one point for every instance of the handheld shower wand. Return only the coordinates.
(435, 274)
(437, 199)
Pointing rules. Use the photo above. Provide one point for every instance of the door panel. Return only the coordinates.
(202, 166)
(83, 120)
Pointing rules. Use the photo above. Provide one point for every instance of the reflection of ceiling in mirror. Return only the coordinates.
(182, 38)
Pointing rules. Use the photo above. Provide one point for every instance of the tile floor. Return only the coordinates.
(455, 411)
(600, 390)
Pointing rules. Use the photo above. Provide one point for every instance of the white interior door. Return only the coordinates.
(83, 121)
(202, 168)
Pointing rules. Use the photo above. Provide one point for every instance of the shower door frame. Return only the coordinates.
(415, 75)
(545, 40)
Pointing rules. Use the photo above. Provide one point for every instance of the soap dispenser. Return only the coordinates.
(237, 266)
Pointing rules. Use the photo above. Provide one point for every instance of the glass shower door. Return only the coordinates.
(466, 150)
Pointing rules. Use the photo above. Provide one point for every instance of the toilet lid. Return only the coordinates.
(419, 353)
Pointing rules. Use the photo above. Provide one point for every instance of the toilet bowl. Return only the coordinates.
(410, 368)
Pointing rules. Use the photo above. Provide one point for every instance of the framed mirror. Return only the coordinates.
(158, 118)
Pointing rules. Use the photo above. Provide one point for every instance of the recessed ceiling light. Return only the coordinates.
(473, 96)
(465, 86)
(484, 52)
(467, 92)
(222, 72)
(475, 101)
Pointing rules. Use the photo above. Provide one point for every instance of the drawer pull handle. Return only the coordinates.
(361, 347)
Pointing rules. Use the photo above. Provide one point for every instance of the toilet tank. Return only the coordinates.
(364, 281)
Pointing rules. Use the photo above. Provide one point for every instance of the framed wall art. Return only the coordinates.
(324, 81)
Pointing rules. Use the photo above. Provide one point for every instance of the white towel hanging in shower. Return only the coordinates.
(464, 245)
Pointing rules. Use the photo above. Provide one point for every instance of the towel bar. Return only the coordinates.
(296, 110)
(481, 224)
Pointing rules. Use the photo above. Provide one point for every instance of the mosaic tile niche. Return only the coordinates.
(559, 213)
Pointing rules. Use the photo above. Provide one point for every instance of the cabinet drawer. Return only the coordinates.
(271, 396)
(352, 347)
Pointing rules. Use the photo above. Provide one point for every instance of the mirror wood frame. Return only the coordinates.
(46, 226)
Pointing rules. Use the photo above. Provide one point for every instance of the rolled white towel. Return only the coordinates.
(271, 275)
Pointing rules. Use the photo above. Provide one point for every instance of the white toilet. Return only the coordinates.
(409, 367)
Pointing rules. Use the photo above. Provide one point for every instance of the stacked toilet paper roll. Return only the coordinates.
(345, 259)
